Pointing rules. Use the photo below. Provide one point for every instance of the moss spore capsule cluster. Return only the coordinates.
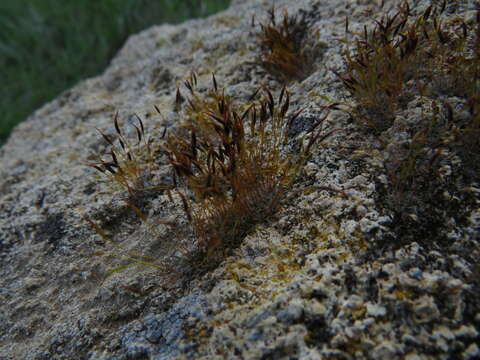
(232, 164)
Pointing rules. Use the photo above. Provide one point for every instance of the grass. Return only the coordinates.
(47, 46)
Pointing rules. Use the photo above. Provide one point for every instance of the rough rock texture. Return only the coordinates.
(325, 278)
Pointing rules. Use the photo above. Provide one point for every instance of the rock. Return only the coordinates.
(331, 275)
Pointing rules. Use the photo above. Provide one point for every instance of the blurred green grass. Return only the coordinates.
(47, 46)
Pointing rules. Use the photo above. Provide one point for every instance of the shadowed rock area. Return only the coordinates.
(332, 275)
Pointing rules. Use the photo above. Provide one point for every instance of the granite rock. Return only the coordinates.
(326, 278)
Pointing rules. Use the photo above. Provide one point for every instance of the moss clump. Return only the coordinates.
(232, 165)
(434, 59)
(282, 47)
(405, 55)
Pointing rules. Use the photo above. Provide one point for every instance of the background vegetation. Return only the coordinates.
(46, 46)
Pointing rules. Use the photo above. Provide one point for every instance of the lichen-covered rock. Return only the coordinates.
(326, 278)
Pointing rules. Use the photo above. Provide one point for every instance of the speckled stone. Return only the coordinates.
(327, 277)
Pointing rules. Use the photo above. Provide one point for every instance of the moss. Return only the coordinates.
(405, 55)
(232, 166)
(234, 162)
(428, 57)
(282, 47)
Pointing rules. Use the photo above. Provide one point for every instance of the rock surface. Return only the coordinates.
(326, 278)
